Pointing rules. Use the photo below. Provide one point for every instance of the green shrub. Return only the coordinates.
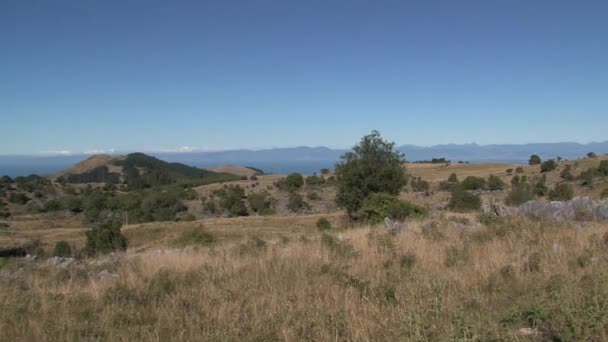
(62, 249)
(495, 183)
(463, 201)
(591, 155)
(104, 239)
(534, 160)
(567, 173)
(231, 200)
(473, 183)
(548, 166)
(323, 224)
(296, 203)
(373, 166)
(292, 182)
(520, 191)
(509, 171)
(561, 192)
(325, 171)
(602, 170)
(378, 206)
(260, 202)
(18, 198)
(315, 181)
(604, 194)
(540, 188)
(519, 169)
(419, 185)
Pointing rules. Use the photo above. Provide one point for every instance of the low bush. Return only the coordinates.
(378, 206)
(495, 183)
(292, 182)
(561, 192)
(104, 239)
(473, 183)
(548, 165)
(296, 203)
(463, 201)
(419, 185)
(195, 236)
(604, 194)
(62, 249)
(260, 202)
(323, 224)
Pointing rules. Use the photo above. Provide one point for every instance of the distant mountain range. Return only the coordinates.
(311, 159)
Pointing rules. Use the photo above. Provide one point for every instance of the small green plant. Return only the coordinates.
(296, 203)
(604, 194)
(62, 249)
(567, 173)
(540, 188)
(323, 224)
(519, 169)
(473, 183)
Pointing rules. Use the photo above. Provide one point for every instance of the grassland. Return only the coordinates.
(267, 280)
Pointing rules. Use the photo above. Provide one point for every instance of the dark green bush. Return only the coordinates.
(104, 239)
(495, 183)
(520, 191)
(296, 203)
(463, 201)
(62, 249)
(260, 202)
(419, 185)
(540, 188)
(378, 206)
(313, 196)
(231, 200)
(315, 181)
(567, 173)
(473, 183)
(519, 169)
(604, 194)
(548, 166)
(323, 224)
(292, 182)
(534, 160)
(18, 198)
(561, 192)
(373, 166)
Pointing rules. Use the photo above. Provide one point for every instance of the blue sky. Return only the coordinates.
(89, 75)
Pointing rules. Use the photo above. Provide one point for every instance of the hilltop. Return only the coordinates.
(234, 170)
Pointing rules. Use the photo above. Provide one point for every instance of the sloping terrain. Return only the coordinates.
(233, 170)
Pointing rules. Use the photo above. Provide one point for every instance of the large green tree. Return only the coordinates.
(373, 166)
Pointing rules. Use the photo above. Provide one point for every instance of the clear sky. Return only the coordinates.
(148, 75)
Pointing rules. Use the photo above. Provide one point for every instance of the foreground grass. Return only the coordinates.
(437, 285)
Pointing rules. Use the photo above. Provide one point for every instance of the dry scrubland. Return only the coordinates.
(510, 280)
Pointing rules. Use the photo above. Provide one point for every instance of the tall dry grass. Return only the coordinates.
(358, 285)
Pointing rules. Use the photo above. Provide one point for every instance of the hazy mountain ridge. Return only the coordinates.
(309, 159)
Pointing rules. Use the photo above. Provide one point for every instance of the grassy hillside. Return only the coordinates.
(511, 280)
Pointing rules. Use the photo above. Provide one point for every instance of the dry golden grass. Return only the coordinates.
(357, 285)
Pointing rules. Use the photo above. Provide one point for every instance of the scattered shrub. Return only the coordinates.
(519, 169)
(292, 182)
(604, 194)
(323, 224)
(18, 198)
(314, 181)
(325, 171)
(567, 173)
(540, 188)
(591, 155)
(313, 196)
(561, 192)
(62, 249)
(231, 200)
(520, 191)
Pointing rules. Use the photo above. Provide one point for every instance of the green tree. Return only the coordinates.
(104, 239)
(373, 166)
(296, 203)
(540, 188)
(260, 202)
(534, 160)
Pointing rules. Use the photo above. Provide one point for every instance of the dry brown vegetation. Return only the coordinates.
(278, 282)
